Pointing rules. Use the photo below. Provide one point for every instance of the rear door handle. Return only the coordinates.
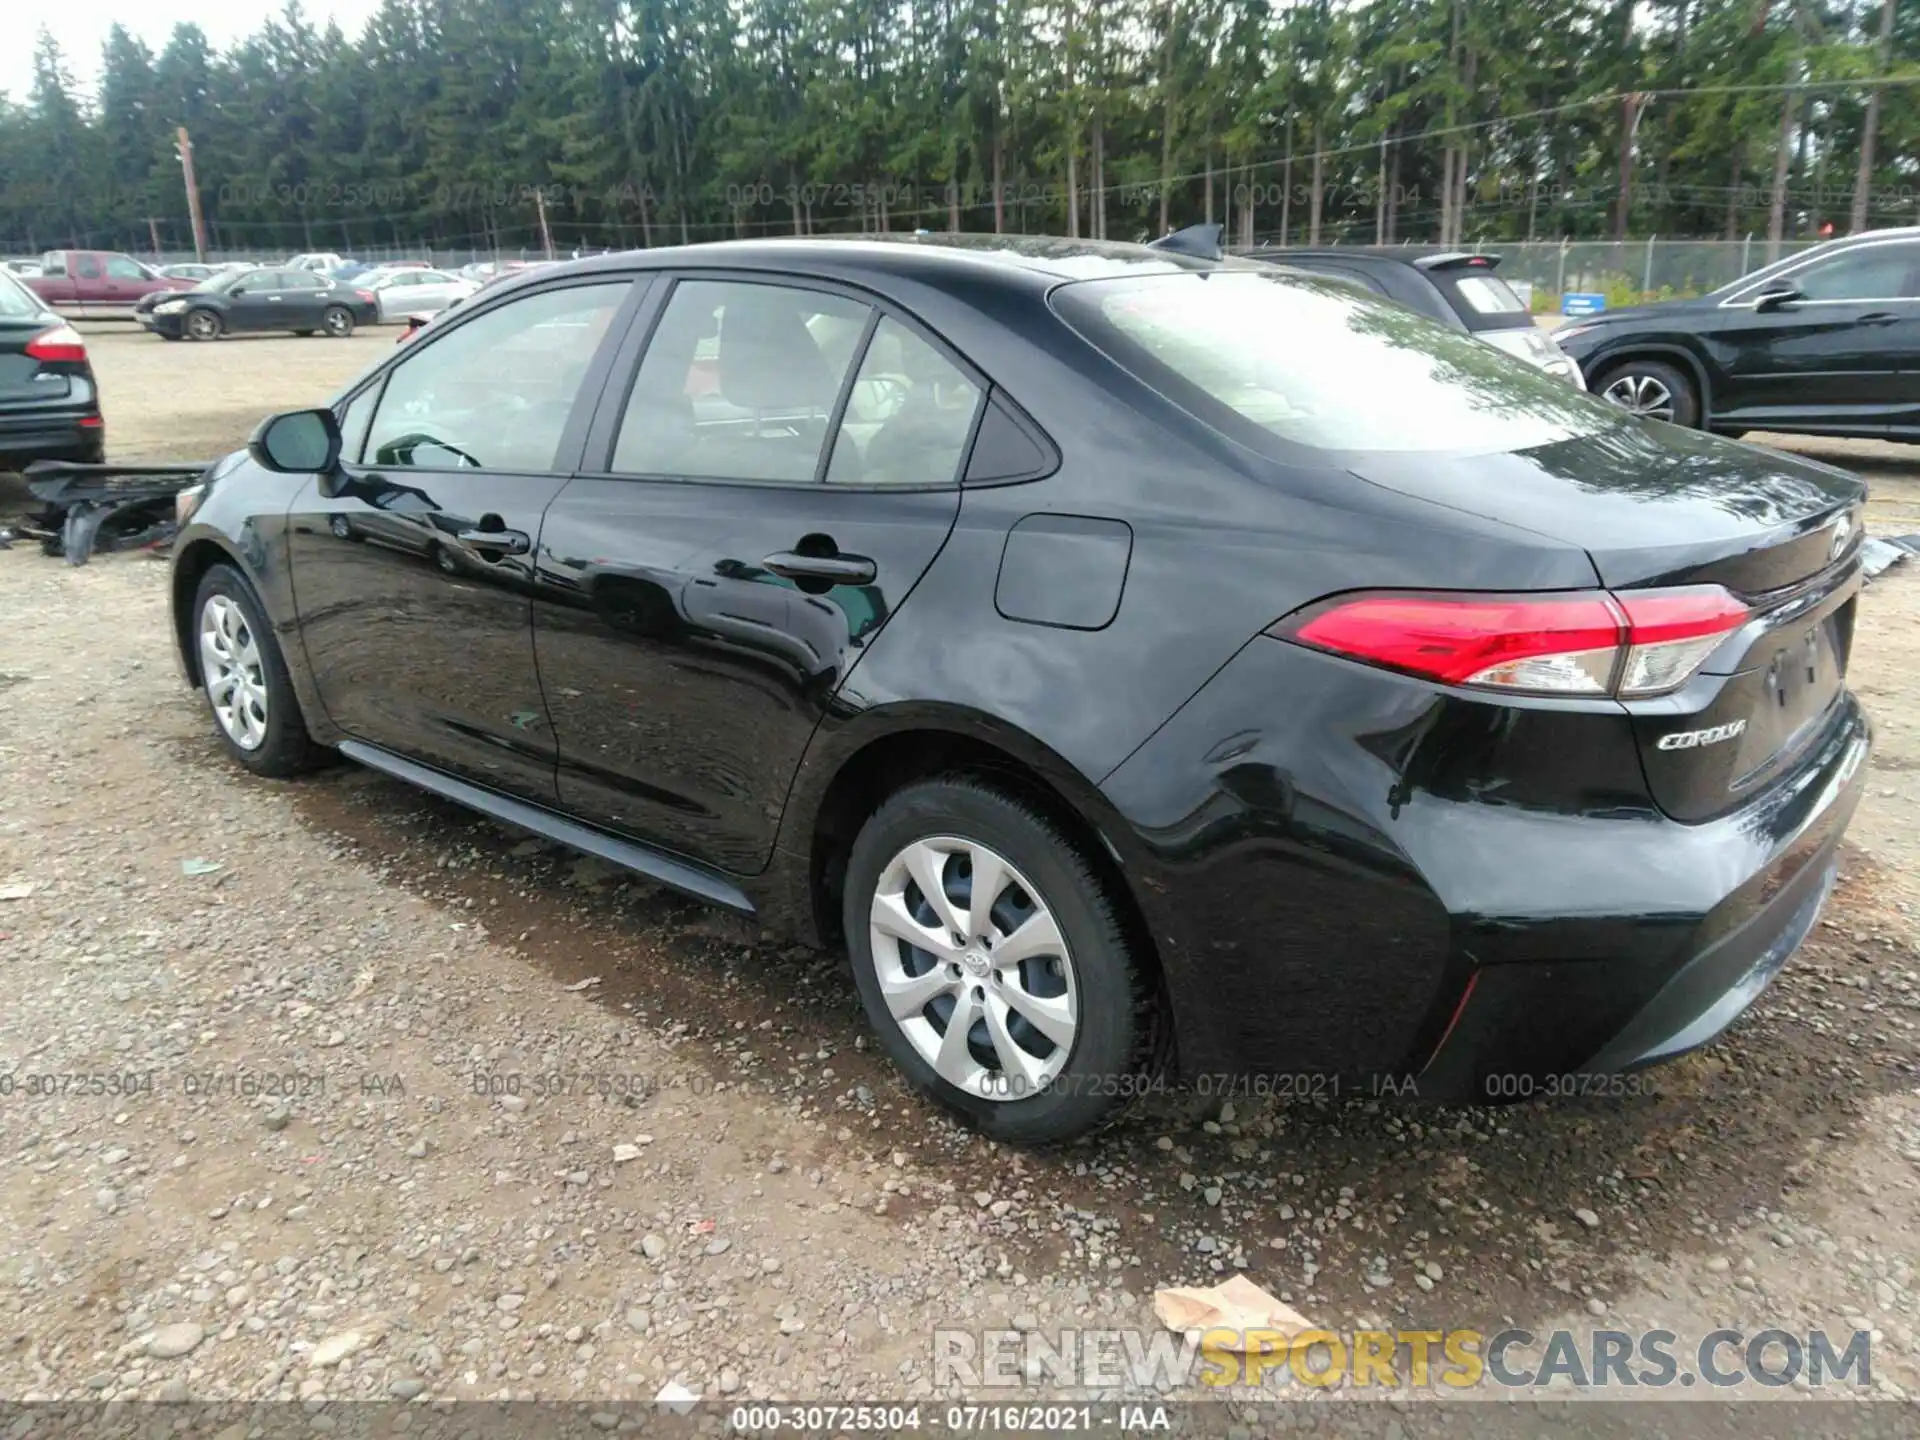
(839, 569)
(498, 542)
(1879, 317)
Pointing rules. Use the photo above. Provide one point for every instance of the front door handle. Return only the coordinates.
(837, 569)
(1879, 317)
(496, 542)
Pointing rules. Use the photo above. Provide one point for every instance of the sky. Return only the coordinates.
(81, 28)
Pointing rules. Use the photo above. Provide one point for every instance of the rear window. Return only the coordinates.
(1489, 295)
(1306, 361)
(16, 301)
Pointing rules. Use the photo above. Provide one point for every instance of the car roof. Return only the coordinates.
(1029, 262)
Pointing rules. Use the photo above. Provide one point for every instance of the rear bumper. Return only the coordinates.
(1353, 878)
(50, 437)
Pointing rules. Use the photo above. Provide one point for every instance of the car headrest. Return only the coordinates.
(767, 357)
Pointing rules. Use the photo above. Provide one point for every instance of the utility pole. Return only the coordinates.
(546, 235)
(153, 234)
(185, 149)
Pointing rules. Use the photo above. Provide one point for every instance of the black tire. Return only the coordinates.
(202, 325)
(1670, 378)
(337, 321)
(286, 748)
(1111, 1047)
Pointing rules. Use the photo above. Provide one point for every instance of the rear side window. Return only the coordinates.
(908, 416)
(54, 262)
(1304, 361)
(496, 392)
(739, 382)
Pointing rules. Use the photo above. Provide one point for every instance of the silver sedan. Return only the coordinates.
(400, 293)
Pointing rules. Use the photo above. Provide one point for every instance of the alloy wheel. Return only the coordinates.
(338, 322)
(1642, 394)
(236, 679)
(203, 325)
(974, 968)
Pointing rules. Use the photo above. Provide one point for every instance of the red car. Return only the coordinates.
(97, 284)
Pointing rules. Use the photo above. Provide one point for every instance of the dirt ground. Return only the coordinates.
(487, 1119)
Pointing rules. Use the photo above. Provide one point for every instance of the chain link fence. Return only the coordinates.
(1626, 271)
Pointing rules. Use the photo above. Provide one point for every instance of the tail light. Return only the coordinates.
(62, 342)
(1629, 644)
(366, 296)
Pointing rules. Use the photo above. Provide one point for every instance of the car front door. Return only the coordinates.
(255, 301)
(776, 479)
(1831, 357)
(411, 566)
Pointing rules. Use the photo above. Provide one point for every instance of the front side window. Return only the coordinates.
(1872, 272)
(354, 421)
(1312, 362)
(739, 382)
(120, 267)
(494, 393)
(908, 416)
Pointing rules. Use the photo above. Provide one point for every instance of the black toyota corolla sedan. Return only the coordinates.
(1141, 664)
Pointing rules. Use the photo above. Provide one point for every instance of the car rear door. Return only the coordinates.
(411, 568)
(762, 489)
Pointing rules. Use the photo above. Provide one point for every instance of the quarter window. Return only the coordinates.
(89, 268)
(494, 393)
(908, 417)
(739, 382)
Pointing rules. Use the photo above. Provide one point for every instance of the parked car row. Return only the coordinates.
(1132, 659)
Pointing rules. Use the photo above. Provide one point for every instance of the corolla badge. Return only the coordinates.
(1694, 739)
(1842, 532)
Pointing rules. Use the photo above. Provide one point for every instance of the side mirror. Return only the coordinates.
(1776, 297)
(298, 442)
(237, 290)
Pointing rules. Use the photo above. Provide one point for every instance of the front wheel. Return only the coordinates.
(337, 322)
(244, 677)
(994, 964)
(1653, 389)
(203, 325)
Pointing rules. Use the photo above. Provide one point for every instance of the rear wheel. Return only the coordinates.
(244, 677)
(337, 322)
(1652, 388)
(203, 325)
(993, 963)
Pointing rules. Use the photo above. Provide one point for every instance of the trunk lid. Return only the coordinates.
(23, 379)
(1655, 506)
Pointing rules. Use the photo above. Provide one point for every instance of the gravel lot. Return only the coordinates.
(320, 1188)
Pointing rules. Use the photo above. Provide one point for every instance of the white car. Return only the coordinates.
(321, 260)
(400, 293)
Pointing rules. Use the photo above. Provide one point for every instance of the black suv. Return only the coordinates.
(1823, 342)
